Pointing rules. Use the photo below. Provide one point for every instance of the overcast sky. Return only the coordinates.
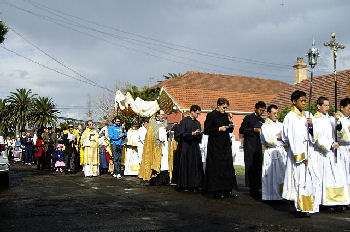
(109, 42)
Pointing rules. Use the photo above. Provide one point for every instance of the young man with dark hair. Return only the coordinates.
(343, 133)
(331, 173)
(219, 174)
(190, 169)
(300, 183)
(117, 135)
(274, 161)
(250, 129)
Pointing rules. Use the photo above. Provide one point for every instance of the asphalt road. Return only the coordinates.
(42, 201)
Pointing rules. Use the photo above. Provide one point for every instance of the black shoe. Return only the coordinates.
(197, 190)
(219, 195)
(341, 208)
(303, 214)
(255, 194)
(231, 195)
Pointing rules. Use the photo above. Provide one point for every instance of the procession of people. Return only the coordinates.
(298, 160)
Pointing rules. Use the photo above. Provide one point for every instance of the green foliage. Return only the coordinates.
(43, 112)
(313, 110)
(3, 31)
(145, 93)
(64, 125)
(20, 103)
(172, 75)
(282, 114)
(23, 108)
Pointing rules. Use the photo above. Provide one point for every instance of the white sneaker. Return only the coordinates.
(114, 175)
(119, 176)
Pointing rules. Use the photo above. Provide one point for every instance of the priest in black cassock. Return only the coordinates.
(190, 170)
(253, 157)
(219, 175)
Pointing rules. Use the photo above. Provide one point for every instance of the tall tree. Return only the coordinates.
(7, 123)
(3, 31)
(43, 112)
(20, 103)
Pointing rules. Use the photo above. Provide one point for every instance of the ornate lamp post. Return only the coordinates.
(334, 46)
(312, 55)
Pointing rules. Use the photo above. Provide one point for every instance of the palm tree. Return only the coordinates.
(172, 75)
(20, 105)
(43, 112)
(7, 121)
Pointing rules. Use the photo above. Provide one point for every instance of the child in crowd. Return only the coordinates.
(17, 150)
(59, 158)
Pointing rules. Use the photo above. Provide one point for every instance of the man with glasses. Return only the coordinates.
(117, 135)
(250, 129)
(219, 174)
(155, 163)
(90, 144)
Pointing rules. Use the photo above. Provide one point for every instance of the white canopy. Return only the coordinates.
(140, 107)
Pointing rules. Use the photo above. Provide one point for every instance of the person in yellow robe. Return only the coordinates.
(90, 146)
(152, 151)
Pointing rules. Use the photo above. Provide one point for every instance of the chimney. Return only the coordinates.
(300, 70)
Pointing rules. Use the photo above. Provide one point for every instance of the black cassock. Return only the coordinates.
(252, 151)
(219, 174)
(190, 167)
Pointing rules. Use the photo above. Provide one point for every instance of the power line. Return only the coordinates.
(118, 37)
(47, 67)
(59, 62)
(162, 43)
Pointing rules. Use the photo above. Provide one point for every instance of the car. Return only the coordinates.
(4, 163)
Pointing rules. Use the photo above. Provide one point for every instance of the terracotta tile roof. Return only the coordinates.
(321, 86)
(206, 98)
(209, 81)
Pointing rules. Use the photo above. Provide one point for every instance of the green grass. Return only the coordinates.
(239, 171)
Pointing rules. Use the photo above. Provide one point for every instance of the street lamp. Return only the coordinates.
(312, 55)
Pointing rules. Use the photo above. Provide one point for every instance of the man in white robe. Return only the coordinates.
(331, 172)
(141, 132)
(274, 161)
(132, 164)
(343, 133)
(301, 184)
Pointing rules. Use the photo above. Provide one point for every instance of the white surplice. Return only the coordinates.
(344, 148)
(274, 161)
(332, 174)
(301, 182)
(164, 165)
(141, 132)
(132, 164)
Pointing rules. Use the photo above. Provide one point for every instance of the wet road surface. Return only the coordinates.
(42, 201)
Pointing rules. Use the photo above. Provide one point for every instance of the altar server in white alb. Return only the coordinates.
(343, 127)
(331, 172)
(274, 161)
(141, 132)
(132, 164)
(301, 184)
